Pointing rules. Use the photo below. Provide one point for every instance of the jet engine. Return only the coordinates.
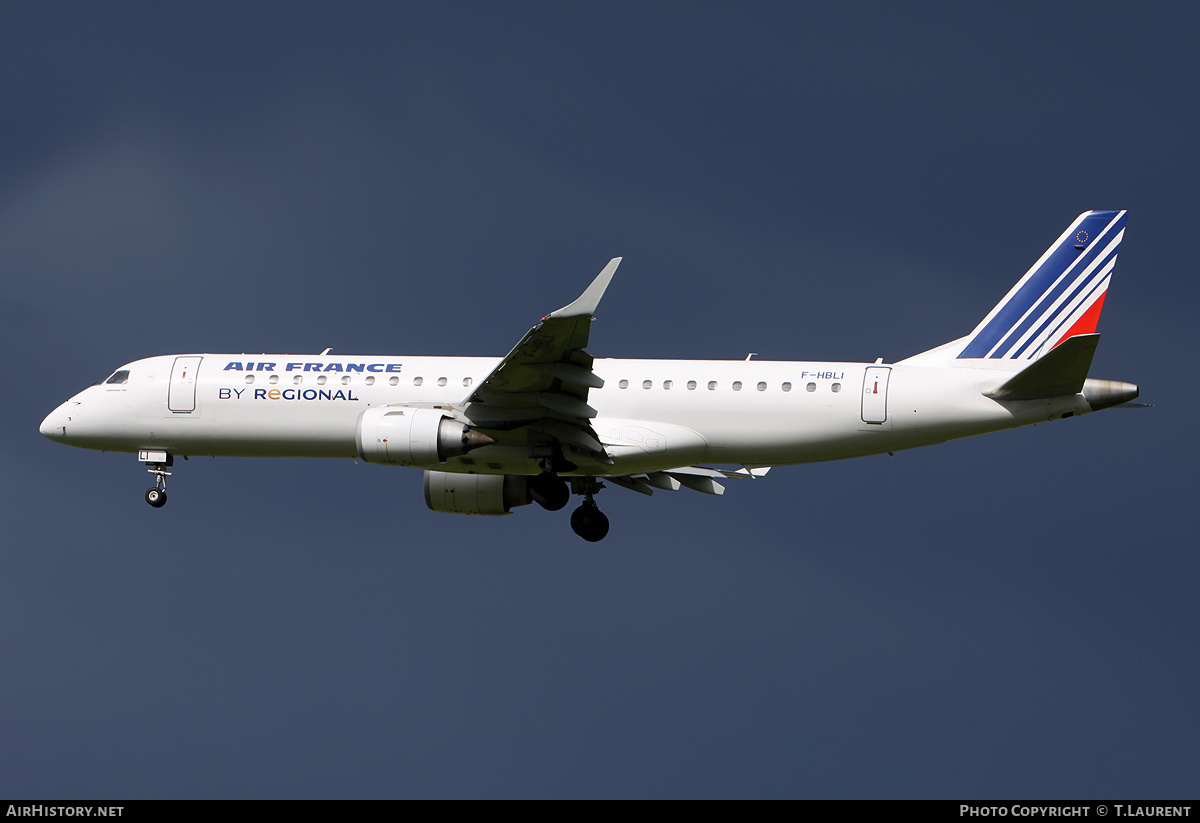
(475, 493)
(404, 436)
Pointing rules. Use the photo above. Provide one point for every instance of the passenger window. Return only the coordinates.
(811, 387)
(118, 377)
(370, 381)
(441, 381)
(691, 385)
(273, 379)
(345, 380)
(418, 381)
(624, 384)
(249, 379)
(837, 387)
(393, 381)
(737, 385)
(762, 386)
(787, 387)
(647, 384)
(712, 385)
(298, 379)
(667, 384)
(321, 380)
(466, 382)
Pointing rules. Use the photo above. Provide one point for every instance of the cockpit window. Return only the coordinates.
(118, 377)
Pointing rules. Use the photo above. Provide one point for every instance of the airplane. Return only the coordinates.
(548, 420)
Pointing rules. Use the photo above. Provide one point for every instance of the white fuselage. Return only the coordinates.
(495, 433)
(652, 414)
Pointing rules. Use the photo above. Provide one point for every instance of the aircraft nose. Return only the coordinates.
(55, 424)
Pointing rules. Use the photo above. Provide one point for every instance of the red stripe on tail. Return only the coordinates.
(1088, 322)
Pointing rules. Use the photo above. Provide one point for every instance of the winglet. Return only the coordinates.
(585, 304)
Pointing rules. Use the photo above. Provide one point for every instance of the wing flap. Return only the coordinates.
(664, 481)
(697, 478)
(634, 484)
(570, 373)
(704, 485)
(572, 434)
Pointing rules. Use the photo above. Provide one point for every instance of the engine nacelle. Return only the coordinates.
(475, 493)
(404, 436)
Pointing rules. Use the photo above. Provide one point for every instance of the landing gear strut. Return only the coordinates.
(547, 489)
(550, 491)
(588, 521)
(157, 463)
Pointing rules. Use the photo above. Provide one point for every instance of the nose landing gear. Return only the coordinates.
(157, 463)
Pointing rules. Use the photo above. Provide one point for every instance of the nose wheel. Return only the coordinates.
(156, 496)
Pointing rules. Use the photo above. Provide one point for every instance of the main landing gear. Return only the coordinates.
(547, 489)
(157, 463)
(551, 492)
(588, 521)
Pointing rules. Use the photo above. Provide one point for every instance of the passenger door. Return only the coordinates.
(874, 399)
(181, 398)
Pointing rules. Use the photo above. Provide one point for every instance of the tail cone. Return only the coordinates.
(1102, 394)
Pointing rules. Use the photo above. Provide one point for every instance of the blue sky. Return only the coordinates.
(1006, 616)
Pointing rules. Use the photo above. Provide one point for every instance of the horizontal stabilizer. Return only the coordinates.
(1059, 373)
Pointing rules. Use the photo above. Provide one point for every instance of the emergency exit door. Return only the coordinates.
(181, 397)
(874, 399)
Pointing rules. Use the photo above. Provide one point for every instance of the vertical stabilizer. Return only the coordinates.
(1059, 297)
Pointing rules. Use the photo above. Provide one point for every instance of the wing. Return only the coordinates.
(538, 393)
(697, 478)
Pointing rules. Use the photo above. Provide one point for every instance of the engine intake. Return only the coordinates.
(403, 436)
